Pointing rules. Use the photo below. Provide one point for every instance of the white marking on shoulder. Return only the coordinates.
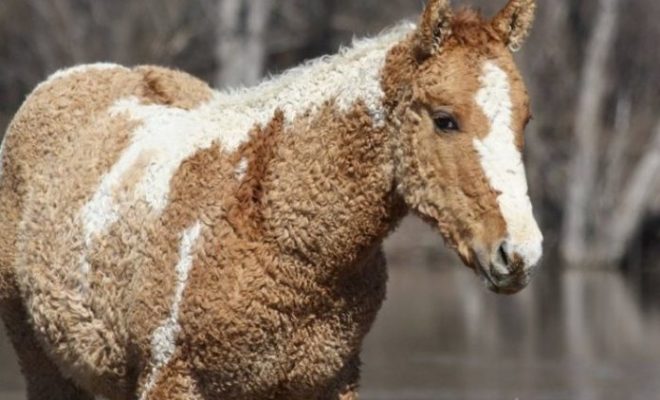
(163, 341)
(79, 69)
(503, 165)
(167, 136)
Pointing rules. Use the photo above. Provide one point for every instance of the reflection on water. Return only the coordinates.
(11, 384)
(441, 335)
(582, 336)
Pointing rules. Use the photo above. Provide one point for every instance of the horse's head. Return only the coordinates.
(459, 158)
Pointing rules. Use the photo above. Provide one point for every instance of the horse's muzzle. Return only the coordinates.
(504, 270)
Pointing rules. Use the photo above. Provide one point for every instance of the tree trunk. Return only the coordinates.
(575, 243)
(627, 217)
(241, 49)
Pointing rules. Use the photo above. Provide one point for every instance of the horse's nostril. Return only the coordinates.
(503, 257)
(500, 267)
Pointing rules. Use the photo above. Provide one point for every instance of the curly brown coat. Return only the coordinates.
(149, 252)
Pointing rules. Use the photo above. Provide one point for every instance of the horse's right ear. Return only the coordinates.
(434, 27)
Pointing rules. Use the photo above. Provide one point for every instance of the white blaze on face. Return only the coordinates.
(503, 166)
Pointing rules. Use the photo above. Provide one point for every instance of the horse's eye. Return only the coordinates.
(445, 123)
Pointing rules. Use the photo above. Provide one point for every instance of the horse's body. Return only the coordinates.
(162, 240)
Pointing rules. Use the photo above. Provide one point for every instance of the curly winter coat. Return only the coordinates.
(161, 240)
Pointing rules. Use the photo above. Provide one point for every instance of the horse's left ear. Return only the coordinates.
(434, 27)
(514, 22)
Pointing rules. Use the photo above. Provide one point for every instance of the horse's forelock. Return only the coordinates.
(470, 28)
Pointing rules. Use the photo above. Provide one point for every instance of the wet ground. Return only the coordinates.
(570, 336)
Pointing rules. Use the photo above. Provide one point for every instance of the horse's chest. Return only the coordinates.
(278, 335)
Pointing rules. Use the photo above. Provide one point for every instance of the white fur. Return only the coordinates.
(168, 135)
(241, 169)
(163, 341)
(503, 165)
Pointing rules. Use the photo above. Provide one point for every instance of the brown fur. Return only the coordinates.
(245, 215)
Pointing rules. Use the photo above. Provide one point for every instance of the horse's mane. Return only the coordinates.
(359, 48)
(469, 27)
(350, 73)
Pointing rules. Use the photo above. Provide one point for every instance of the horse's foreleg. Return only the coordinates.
(349, 391)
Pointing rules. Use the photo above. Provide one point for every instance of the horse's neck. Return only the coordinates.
(323, 164)
(328, 191)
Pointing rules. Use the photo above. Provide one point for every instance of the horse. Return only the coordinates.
(164, 240)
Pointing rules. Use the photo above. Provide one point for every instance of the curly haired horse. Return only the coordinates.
(162, 240)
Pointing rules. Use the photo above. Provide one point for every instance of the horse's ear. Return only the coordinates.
(434, 27)
(514, 22)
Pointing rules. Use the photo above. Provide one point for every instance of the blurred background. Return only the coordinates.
(589, 325)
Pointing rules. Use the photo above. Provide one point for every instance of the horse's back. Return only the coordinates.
(62, 143)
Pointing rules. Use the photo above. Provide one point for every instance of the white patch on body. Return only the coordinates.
(163, 341)
(85, 270)
(503, 165)
(241, 169)
(167, 135)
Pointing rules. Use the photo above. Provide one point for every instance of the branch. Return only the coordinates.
(615, 157)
